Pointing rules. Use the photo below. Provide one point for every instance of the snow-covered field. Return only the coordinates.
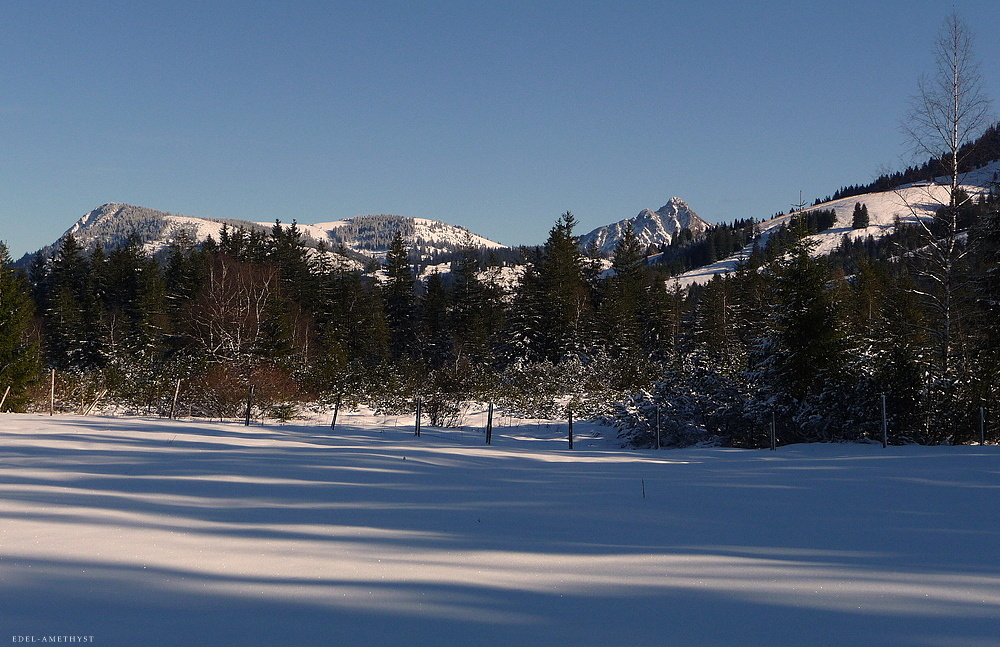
(156, 532)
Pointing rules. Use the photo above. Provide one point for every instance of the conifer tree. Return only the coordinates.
(986, 291)
(716, 324)
(288, 250)
(435, 329)
(18, 354)
(183, 274)
(623, 297)
(885, 341)
(860, 219)
(353, 336)
(804, 323)
(71, 310)
(565, 317)
(399, 298)
(134, 299)
(524, 335)
(661, 315)
(799, 363)
(478, 309)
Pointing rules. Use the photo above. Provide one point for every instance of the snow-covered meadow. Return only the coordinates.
(156, 532)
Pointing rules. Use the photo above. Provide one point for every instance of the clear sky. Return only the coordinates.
(497, 116)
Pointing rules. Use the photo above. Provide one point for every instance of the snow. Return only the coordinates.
(436, 233)
(156, 532)
(705, 273)
(650, 227)
(112, 223)
(907, 203)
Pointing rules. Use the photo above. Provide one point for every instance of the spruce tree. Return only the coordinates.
(804, 322)
(715, 324)
(566, 307)
(623, 296)
(183, 274)
(986, 286)
(860, 219)
(71, 310)
(524, 337)
(435, 320)
(478, 308)
(353, 335)
(798, 365)
(661, 315)
(19, 364)
(399, 298)
(288, 250)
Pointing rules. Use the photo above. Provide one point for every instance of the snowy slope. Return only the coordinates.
(907, 203)
(111, 225)
(151, 532)
(651, 227)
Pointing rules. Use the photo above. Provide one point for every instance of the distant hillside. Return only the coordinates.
(112, 224)
(905, 204)
(974, 155)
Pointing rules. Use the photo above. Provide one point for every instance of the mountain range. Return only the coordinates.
(368, 236)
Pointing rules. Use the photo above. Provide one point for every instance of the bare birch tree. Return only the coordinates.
(950, 108)
(948, 112)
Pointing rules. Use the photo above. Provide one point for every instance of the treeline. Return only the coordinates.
(686, 252)
(306, 325)
(973, 155)
(810, 344)
(813, 345)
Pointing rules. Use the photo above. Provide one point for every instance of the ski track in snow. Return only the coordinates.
(155, 532)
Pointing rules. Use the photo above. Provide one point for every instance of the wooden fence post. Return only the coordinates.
(249, 404)
(885, 425)
(489, 424)
(336, 410)
(774, 438)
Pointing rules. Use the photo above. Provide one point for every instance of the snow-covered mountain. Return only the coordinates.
(112, 224)
(651, 227)
(362, 236)
(371, 235)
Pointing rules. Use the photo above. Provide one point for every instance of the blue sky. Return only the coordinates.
(497, 116)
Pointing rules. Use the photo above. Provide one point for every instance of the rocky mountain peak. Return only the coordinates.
(651, 227)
